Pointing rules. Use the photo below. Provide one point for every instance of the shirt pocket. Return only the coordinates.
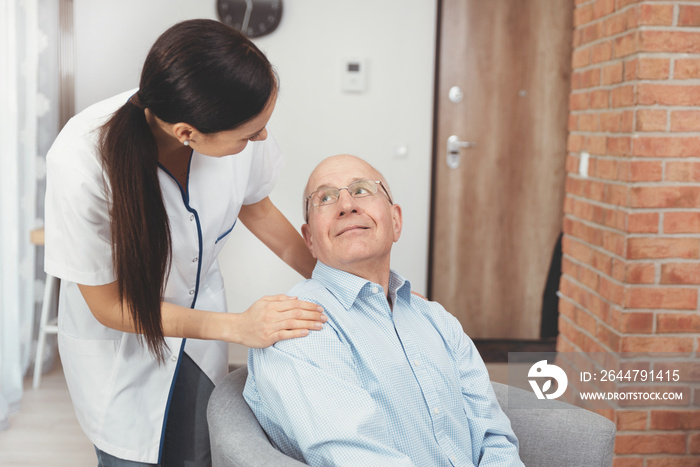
(222, 237)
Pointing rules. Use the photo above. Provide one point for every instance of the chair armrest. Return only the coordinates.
(235, 435)
(557, 433)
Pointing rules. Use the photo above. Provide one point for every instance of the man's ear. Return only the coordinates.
(397, 219)
(306, 233)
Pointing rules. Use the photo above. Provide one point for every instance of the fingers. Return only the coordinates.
(286, 303)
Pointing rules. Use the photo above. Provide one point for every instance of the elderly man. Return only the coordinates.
(391, 379)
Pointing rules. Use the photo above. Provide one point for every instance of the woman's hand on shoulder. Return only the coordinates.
(278, 317)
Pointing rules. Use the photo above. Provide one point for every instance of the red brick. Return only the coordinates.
(694, 443)
(601, 52)
(651, 120)
(628, 461)
(685, 120)
(607, 168)
(643, 222)
(631, 69)
(603, 8)
(583, 15)
(656, 344)
(574, 143)
(591, 32)
(650, 444)
(653, 68)
(682, 171)
(686, 68)
(602, 262)
(680, 273)
(661, 146)
(607, 337)
(614, 242)
(581, 57)
(686, 370)
(625, 45)
(655, 247)
(627, 123)
(665, 197)
(637, 323)
(682, 222)
(594, 190)
(611, 122)
(578, 101)
(617, 194)
(668, 94)
(674, 420)
(672, 462)
(611, 291)
(615, 24)
(623, 3)
(585, 79)
(662, 298)
(669, 41)
(588, 122)
(619, 146)
(600, 99)
(678, 322)
(655, 15)
(688, 15)
(597, 144)
(576, 249)
(611, 74)
(644, 171)
(640, 273)
(623, 96)
(631, 419)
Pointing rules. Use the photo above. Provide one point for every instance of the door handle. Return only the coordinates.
(453, 150)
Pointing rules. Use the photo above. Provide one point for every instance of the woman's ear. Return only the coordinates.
(184, 132)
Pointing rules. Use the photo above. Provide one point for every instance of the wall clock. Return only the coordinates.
(254, 18)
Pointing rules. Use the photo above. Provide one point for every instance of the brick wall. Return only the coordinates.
(631, 246)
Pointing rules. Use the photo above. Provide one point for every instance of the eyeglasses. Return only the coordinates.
(358, 189)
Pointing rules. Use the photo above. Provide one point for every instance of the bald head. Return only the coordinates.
(341, 163)
(355, 231)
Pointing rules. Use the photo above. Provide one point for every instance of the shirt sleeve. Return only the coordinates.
(307, 397)
(267, 162)
(77, 226)
(493, 440)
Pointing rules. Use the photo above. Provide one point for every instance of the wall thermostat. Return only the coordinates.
(354, 75)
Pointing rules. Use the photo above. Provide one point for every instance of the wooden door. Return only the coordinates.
(497, 216)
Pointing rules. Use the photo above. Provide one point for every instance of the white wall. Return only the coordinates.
(313, 118)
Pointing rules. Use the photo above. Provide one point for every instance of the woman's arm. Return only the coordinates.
(267, 321)
(267, 223)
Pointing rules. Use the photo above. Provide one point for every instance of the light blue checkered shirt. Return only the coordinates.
(376, 387)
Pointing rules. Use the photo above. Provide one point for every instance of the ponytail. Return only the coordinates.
(201, 72)
(139, 223)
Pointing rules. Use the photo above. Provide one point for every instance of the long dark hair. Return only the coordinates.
(200, 72)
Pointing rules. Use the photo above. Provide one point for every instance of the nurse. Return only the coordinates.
(142, 191)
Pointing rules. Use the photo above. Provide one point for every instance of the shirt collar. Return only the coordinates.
(347, 287)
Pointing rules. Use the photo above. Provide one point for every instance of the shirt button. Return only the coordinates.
(173, 358)
(436, 411)
(192, 217)
(195, 259)
(191, 292)
(375, 290)
(416, 363)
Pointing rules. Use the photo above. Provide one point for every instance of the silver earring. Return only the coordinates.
(186, 142)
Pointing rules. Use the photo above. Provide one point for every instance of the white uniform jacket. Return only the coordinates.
(119, 391)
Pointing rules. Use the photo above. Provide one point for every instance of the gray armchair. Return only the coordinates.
(571, 437)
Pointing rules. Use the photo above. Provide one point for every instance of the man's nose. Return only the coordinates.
(346, 203)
